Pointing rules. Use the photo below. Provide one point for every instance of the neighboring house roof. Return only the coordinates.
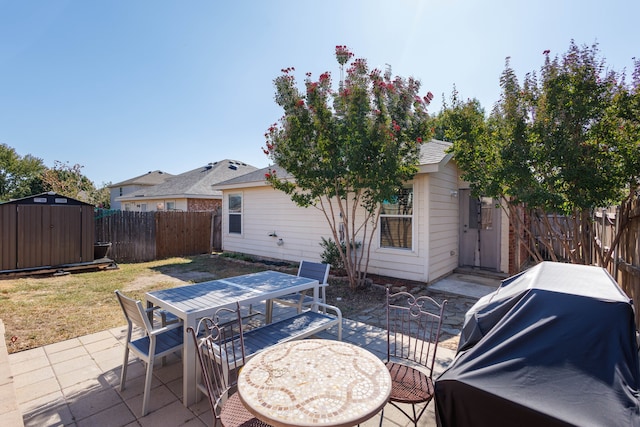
(194, 184)
(433, 156)
(149, 178)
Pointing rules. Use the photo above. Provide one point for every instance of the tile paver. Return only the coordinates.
(76, 383)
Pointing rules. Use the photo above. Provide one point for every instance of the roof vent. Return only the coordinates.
(233, 167)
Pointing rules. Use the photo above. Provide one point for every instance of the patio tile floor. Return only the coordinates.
(76, 383)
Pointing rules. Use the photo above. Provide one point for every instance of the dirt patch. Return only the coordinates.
(174, 279)
(366, 305)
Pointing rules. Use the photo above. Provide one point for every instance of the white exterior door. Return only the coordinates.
(479, 231)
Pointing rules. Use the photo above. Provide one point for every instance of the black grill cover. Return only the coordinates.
(554, 345)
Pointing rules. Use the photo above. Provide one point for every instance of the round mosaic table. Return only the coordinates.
(314, 382)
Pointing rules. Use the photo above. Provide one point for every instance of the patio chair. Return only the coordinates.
(220, 350)
(310, 270)
(155, 343)
(413, 332)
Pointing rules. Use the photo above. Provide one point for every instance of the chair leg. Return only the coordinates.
(415, 418)
(147, 386)
(424, 408)
(125, 365)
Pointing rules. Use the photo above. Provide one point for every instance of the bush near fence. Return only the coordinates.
(147, 236)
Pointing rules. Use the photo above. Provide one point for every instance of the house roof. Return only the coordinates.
(433, 152)
(433, 155)
(196, 183)
(149, 178)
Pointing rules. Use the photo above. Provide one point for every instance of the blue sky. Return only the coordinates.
(123, 87)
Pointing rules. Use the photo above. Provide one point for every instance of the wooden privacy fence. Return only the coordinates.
(147, 236)
(625, 259)
(625, 265)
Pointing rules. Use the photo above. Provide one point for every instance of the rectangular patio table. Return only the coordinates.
(193, 302)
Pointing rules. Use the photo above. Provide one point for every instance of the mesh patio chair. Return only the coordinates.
(413, 333)
(221, 354)
(155, 343)
(310, 270)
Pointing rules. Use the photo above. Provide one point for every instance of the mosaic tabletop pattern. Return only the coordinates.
(314, 383)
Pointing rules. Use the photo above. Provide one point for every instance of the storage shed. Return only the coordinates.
(45, 231)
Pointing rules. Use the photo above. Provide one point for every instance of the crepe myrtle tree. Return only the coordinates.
(562, 143)
(348, 149)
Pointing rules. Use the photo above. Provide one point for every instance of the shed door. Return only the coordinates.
(49, 235)
(479, 232)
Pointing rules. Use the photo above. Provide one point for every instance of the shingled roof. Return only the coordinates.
(149, 178)
(194, 183)
(433, 154)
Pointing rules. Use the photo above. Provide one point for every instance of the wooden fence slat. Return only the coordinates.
(146, 236)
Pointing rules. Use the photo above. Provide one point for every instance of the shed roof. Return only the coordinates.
(196, 183)
(51, 198)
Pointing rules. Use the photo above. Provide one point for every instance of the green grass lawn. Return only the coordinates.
(42, 310)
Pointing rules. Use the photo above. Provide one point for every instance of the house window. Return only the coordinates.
(171, 206)
(160, 206)
(235, 213)
(143, 207)
(396, 220)
(120, 189)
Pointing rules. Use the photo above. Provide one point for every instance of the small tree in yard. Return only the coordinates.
(348, 150)
(561, 144)
(69, 181)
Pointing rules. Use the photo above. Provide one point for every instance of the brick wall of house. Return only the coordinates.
(203, 205)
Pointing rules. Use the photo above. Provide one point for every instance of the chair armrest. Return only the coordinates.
(333, 308)
(163, 314)
(166, 328)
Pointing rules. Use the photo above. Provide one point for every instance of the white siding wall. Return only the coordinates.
(410, 264)
(435, 229)
(115, 192)
(152, 204)
(266, 211)
(443, 222)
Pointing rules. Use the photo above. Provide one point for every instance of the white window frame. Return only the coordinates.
(392, 215)
(235, 212)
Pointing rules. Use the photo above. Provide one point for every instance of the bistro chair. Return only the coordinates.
(220, 350)
(413, 332)
(310, 270)
(155, 343)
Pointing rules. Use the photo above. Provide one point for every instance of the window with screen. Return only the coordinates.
(235, 213)
(396, 220)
